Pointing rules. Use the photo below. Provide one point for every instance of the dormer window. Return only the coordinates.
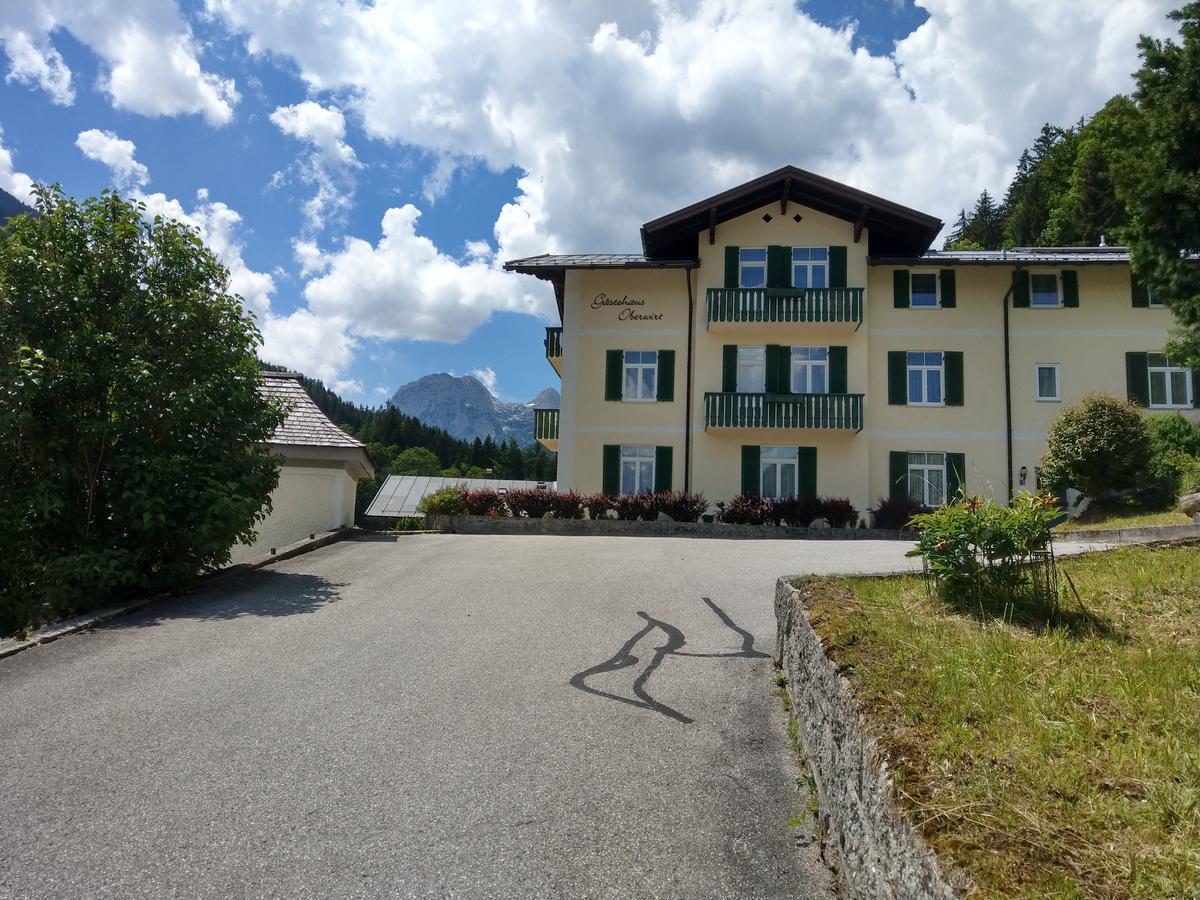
(752, 267)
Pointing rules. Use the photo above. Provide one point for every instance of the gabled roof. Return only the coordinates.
(893, 230)
(306, 425)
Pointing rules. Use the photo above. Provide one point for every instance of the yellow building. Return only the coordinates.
(796, 335)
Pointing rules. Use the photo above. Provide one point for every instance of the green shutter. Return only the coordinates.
(614, 374)
(751, 477)
(666, 376)
(1141, 294)
(900, 289)
(783, 377)
(662, 468)
(956, 475)
(953, 363)
(837, 267)
(1020, 289)
(897, 474)
(949, 299)
(807, 464)
(771, 380)
(1196, 388)
(1137, 378)
(779, 264)
(729, 368)
(611, 480)
(897, 378)
(731, 267)
(1070, 287)
(839, 379)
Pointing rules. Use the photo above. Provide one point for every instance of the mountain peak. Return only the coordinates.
(463, 406)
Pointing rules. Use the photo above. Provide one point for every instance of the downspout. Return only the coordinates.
(687, 425)
(1008, 426)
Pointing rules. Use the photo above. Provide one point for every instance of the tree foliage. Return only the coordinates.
(1099, 447)
(135, 437)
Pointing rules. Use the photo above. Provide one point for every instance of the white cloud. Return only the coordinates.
(16, 183)
(149, 60)
(329, 166)
(487, 377)
(116, 153)
(349, 387)
(307, 344)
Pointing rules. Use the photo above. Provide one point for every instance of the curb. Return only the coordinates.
(1146, 534)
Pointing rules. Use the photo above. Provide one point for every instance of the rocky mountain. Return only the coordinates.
(10, 206)
(463, 407)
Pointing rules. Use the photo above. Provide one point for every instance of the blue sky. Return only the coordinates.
(486, 133)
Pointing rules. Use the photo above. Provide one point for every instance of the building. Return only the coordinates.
(319, 476)
(794, 334)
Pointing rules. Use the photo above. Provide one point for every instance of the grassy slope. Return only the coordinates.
(1099, 519)
(1042, 761)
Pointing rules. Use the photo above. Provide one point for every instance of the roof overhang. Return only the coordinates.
(553, 268)
(1022, 256)
(893, 229)
(353, 459)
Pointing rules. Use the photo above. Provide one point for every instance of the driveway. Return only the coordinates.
(425, 716)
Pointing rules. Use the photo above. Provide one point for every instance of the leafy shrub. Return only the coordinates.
(450, 501)
(839, 512)
(485, 502)
(568, 506)
(680, 506)
(532, 502)
(632, 507)
(799, 512)
(597, 505)
(1098, 448)
(1172, 474)
(746, 509)
(897, 513)
(1173, 432)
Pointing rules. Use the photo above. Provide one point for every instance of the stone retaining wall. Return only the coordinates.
(876, 850)
(1146, 534)
(619, 528)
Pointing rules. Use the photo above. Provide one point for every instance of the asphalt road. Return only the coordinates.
(424, 716)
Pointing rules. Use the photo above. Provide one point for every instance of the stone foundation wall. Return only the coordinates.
(618, 528)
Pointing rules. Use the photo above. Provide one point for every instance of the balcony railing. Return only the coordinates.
(784, 305)
(553, 343)
(826, 411)
(545, 425)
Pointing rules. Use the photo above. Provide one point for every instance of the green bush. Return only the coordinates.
(1173, 432)
(1100, 447)
(448, 501)
(1172, 474)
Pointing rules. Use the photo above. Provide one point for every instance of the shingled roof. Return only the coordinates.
(306, 425)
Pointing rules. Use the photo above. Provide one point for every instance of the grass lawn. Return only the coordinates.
(1094, 519)
(1052, 756)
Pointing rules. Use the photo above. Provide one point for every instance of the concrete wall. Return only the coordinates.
(308, 499)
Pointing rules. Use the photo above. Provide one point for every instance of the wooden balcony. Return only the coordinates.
(785, 305)
(553, 344)
(545, 428)
(836, 412)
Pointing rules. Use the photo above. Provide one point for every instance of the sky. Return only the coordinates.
(365, 169)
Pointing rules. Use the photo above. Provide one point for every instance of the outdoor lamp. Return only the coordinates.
(1024, 474)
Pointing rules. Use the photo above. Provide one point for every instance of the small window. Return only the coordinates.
(637, 469)
(927, 478)
(925, 379)
(924, 290)
(810, 267)
(810, 370)
(780, 471)
(1047, 382)
(1153, 300)
(1043, 290)
(1170, 385)
(641, 375)
(751, 370)
(752, 267)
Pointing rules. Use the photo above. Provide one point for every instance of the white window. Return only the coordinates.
(780, 471)
(925, 379)
(810, 370)
(810, 267)
(641, 375)
(924, 290)
(751, 370)
(752, 267)
(637, 469)
(1047, 381)
(1043, 289)
(1170, 385)
(927, 478)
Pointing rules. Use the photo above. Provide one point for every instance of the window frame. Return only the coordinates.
(640, 367)
(742, 264)
(795, 365)
(1167, 369)
(1152, 303)
(909, 367)
(779, 463)
(762, 363)
(634, 453)
(937, 288)
(1056, 274)
(923, 479)
(1037, 382)
(808, 264)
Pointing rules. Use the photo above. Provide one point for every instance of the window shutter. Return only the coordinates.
(949, 298)
(611, 479)
(771, 380)
(731, 267)
(953, 362)
(1137, 378)
(1196, 388)
(1020, 289)
(897, 474)
(1070, 288)
(838, 375)
(837, 267)
(897, 378)
(956, 475)
(1141, 295)
(751, 477)
(666, 376)
(900, 289)
(806, 482)
(662, 468)
(783, 377)
(778, 264)
(729, 368)
(614, 374)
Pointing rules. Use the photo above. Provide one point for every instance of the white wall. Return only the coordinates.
(308, 499)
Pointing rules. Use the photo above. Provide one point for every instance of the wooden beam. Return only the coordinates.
(862, 221)
(783, 200)
(712, 225)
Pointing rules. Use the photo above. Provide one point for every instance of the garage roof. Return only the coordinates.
(400, 494)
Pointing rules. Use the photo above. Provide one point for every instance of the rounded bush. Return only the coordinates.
(1099, 447)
